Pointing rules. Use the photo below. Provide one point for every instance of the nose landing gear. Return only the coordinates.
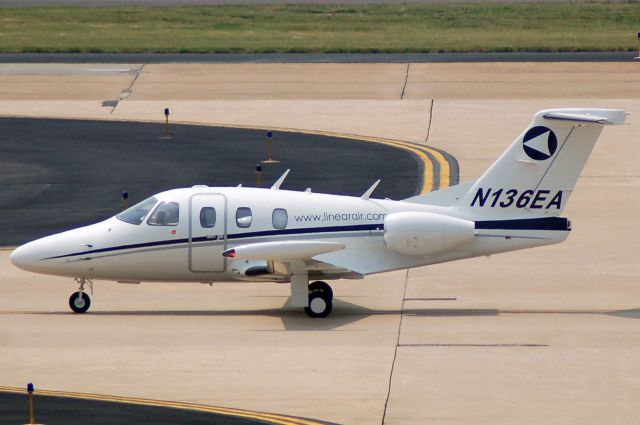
(80, 301)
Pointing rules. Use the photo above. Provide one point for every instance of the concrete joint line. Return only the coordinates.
(124, 94)
(406, 78)
(395, 352)
(426, 140)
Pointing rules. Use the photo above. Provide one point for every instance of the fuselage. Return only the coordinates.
(180, 235)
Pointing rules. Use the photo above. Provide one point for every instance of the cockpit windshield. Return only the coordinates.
(138, 212)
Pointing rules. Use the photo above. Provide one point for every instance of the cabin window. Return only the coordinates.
(244, 217)
(279, 218)
(165, 214)
(138, 212)
(208, 217)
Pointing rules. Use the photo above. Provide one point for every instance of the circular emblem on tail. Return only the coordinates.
(540, 143)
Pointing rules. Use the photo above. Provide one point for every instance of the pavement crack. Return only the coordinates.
(124, 94)
(406, 78)
(426, 140)
(395, 352)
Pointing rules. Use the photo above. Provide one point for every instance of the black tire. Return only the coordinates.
(320, 304)
(79, 305)
(322, 287)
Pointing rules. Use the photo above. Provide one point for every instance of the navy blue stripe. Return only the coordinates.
(328, 229)
(131, 246)
(546, 223)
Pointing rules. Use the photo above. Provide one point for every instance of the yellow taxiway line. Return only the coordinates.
(266, 417)
(428, 177)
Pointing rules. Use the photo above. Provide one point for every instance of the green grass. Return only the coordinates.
(323, 28)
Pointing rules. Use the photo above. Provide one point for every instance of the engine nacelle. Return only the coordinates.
(420, 233)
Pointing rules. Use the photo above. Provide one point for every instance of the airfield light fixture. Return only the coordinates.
(167, 133)
(259, 175)
(270, 159)
(125, 199)
(32, 413)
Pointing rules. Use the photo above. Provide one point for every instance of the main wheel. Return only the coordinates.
(79, 302)
(319, 285)
(320, 304)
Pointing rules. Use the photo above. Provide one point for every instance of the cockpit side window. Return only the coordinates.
(165, 214)
(138, 212)
(244, 216)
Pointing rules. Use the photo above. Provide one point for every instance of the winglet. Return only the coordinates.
(278, 183)
(370, 190)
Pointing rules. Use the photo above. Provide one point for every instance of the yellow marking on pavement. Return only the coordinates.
(267, 417)
(419, 150)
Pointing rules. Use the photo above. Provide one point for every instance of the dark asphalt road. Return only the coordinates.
(61, 174)
(70, 411)
(316, 58)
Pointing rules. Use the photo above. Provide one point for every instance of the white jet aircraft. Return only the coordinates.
(207, 234)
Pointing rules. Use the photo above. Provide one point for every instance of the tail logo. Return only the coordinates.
(540, 143)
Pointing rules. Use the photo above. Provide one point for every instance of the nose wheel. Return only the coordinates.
(80, 301)
(320, 300)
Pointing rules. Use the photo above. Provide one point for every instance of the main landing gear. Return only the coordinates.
(320, 299)
(80, 301)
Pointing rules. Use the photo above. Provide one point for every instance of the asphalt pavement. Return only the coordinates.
(61, 174)
(72, 411)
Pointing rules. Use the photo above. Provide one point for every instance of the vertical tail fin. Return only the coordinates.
(536, 175)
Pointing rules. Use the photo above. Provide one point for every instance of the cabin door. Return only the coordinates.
(207, 232)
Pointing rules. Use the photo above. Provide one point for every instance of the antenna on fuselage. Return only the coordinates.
(370, 190)
(278, 183)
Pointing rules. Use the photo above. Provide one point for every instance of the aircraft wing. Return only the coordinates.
(282, 250)
(288, 257)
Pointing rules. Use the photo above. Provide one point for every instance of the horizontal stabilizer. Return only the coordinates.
(591, 116)
(282, 251)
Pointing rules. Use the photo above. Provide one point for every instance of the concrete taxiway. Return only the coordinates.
(547, 335)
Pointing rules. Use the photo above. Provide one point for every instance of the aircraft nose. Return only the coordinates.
(24, 257)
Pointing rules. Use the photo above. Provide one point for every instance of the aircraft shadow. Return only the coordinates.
(293, 319)
(344, 313)
(627, 314)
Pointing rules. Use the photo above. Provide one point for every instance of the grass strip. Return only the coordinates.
(364, 28)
